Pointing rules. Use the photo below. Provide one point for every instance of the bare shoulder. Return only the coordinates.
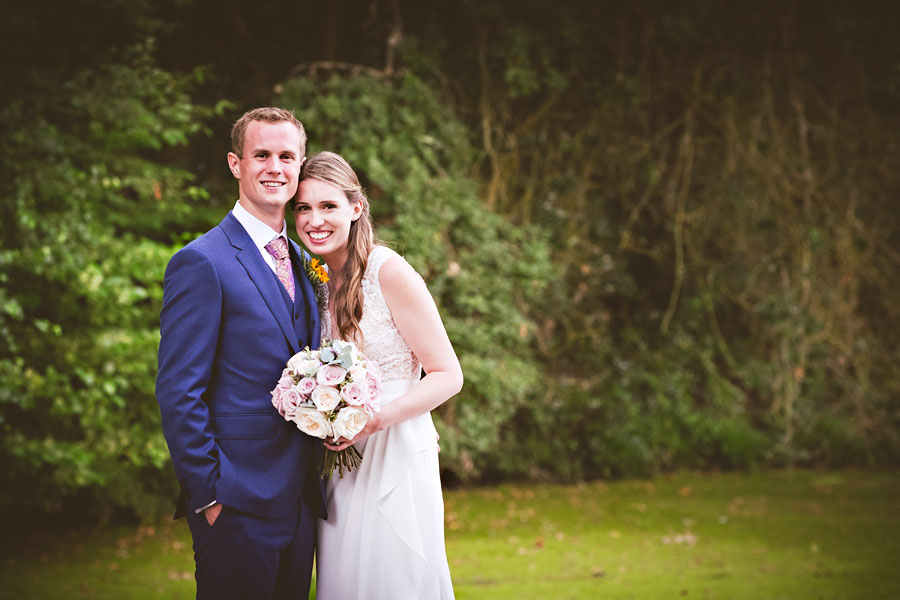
(397, 274)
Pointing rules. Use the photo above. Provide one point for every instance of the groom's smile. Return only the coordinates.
(268, 170)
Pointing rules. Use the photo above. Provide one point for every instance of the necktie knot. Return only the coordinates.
(278, 248)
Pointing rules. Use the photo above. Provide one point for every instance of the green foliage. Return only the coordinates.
(80, 283)
(414, 157)
(726, 243)
(634, 417)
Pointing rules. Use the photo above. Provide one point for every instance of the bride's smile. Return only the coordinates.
(323, 216)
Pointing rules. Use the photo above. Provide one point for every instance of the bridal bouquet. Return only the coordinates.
(330, 392)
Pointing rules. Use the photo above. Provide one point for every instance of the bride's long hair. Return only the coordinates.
(347, 303)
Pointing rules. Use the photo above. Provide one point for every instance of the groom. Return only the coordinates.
(236, 306)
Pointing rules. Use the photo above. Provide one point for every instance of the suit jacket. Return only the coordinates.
(227, 329)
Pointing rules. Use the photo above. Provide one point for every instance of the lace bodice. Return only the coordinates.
(382, 341)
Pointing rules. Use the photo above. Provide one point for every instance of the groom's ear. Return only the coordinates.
(234, 163)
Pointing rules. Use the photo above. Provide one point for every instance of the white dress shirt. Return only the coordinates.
(259, 232)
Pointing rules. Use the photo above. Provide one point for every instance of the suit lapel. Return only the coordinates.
(259, 272)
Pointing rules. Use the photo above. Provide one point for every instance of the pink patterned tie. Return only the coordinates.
(278, 248)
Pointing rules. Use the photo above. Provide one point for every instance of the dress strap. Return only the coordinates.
(377, 257)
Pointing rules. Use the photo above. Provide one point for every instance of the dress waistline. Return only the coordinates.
(391, 390)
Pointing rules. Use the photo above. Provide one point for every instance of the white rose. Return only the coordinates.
(303, 366)
(326, 398)
(312, 422)
(349, 422)
(358, 374)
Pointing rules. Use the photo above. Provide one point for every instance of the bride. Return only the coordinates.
(384, 536)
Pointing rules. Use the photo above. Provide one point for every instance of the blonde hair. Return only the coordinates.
(347, 303)
(269, 114)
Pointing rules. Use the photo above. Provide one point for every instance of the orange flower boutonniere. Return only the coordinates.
(317, 271)
(318, 276)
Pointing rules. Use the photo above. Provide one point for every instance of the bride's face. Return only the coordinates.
(323, 214)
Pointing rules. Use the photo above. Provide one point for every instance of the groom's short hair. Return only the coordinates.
(270, 114)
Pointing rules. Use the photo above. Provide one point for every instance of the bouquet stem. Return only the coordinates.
(348, 458)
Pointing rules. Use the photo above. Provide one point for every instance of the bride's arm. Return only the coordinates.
(417, 318)
(419, 322)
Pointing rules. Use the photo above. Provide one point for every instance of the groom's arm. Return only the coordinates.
(189, 333)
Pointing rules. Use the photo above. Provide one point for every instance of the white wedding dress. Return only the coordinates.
(384, 536)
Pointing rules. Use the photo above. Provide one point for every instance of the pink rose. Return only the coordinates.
(290, 402)
(326, 398)
(306, 386)
(331, 375)
(374, 388)
(373, 371)
(286, 380)
(355, 394)
(277, 394)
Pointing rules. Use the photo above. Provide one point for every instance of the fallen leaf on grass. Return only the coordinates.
(687, 539)
(176, 575)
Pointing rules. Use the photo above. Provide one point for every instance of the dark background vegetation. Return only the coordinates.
(662, 235)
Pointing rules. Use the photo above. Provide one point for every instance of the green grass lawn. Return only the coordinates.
(791, 534)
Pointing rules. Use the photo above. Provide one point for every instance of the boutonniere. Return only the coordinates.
(318, 276)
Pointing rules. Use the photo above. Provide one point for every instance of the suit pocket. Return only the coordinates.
(243, 427)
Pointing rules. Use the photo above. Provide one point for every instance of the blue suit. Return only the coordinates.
(227, 329)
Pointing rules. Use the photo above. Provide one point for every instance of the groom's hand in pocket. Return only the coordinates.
(212, 513)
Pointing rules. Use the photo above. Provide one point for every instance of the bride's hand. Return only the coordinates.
(339, 444)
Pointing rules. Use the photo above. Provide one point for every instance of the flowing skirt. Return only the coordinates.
(384, 537)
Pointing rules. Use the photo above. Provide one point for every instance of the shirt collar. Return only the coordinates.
(259, 232)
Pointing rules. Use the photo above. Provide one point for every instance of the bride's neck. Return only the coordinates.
(334, 283)
(336, 264)
(336, 269)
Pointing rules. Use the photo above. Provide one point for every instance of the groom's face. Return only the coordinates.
(269, 168)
